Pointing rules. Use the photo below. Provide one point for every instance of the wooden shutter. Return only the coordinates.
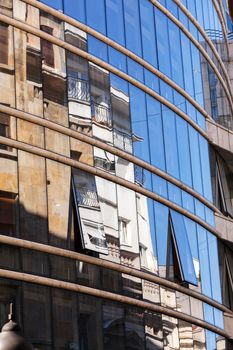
(4, 36)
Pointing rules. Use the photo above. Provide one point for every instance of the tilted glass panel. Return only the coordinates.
(88, 211)
(214, 267)
(183, 248)
(204, 261)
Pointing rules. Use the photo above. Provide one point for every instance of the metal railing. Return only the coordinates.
(78, 89)
(101, 114)
(87, 197)
(123, 140)
(139, 174)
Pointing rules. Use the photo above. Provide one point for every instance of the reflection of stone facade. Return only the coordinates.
(56, 204)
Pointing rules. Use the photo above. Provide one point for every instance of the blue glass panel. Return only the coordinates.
(179, 101)
(171, 152)
(155, 132)
(96, 15)
(191, 7)
(184, 151)
(135, 70)
(150, 205)
(97, 48)
(148, 32)
(205, 167)
(187, 64)
(172, 7)
(199, 209)
(174, 194)
(119, 83)
(161, 227)
(162, 42)
(214, 267)
(75, 9)
(139, 122)
(210, 340)
(187, 201)
(159, 186)
(57, 4)
(200, 12)
(183, 248)
(195, 159)
(204, 261)
(191, 229)
(191, 111)
(151, 80)
(218, 318)
(209, 216)
(166, 91)
(208, 313)
(197, 75)
(175, 52)
(201, 120)
(117, 59)
(132, 26)
(115, 21)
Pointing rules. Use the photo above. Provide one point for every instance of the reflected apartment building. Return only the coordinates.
(116, 190)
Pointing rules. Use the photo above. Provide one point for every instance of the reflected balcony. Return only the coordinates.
(101, 114)
(123, 140)
(87, 197)
(139, 174)
(78, 89)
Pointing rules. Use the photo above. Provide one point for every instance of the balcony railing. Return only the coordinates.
(123, 140)
(139, 174)
(78, 89)
(87, 197)
(101, 114)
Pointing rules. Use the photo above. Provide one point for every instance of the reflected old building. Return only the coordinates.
(116, 185)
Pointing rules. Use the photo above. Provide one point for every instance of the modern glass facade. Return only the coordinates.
(116, 192)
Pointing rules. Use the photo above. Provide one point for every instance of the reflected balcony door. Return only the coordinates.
(78, 89)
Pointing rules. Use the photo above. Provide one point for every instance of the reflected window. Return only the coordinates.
(88, 212)
(4, 129)
(54, 88)
(7, 214)
(143, 256)
(182, 248)
(33, 66)
(4, 37)
(124, 232)
(47, 47)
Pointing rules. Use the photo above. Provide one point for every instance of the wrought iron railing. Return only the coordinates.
(139, 174)
(123, 140)
(87, 197)
(101, 114)
(78, 89)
